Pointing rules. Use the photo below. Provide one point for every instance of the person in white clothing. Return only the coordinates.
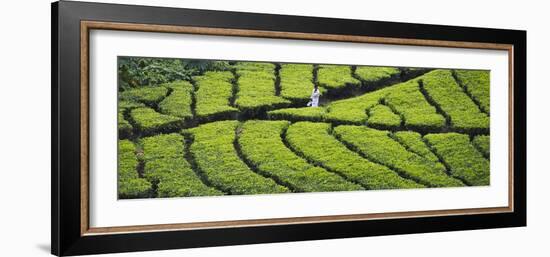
(315, 97)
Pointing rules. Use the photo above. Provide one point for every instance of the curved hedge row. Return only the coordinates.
(407, 100)
(477, 84)
(313, 141)
(149, 95)
(336, 77)
(130, 185)
(483, 143)
(298, 114)
(464, 114)
(353, 110)
(262, 146)
(166, 167)
(216, 157)
(461, 157)
(296, 81)
(148, 121)
(376, 77)
(381, 116)
(213, 94)
(178, 103)
(380, 147)
(124, 127)
(256, 83)
(414, 143)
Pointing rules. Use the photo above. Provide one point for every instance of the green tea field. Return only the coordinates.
(242, 128)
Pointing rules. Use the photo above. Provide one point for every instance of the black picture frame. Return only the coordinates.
(66, 235)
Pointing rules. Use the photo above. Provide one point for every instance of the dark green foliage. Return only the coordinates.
(146, 95)
(178, 103)
(262, 146)
(130, 185)
(370, 74)
(378, 146)
(461, 157)
(298, 114)
(382, 116)
(256, 85)
(149, 121)
(313, 141)
(166, 166)
(477, 84)
(296, 81)
(483, 143)
(445, 92)
(414, 143)
(139, 71)
(201, 66)
(214, 90)
(215, 155)
(336, 76)
(407, 100)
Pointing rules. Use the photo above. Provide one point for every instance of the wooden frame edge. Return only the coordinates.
(86, 26)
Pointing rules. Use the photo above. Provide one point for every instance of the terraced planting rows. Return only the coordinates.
(432, 102)
(244, 131)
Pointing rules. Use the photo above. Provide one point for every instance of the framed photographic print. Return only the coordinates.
(177, 128)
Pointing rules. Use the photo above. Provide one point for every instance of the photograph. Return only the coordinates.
(203, 128)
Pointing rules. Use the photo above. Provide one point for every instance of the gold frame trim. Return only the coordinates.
(86, 26)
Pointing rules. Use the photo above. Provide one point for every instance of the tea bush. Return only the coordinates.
(214, 91)
(166, 166)
(256, 83)
(263, 147)
(130, 185)
(216, 157)
(162, 146)
(124, 127)
(313, 141)
(128, 104)
(336, 77)
(371, 74)
(148, 121)
(353, 110)
(148, 95)
(407, 100)
(482, 143)
(296, 81)
(460, 155)
(178, 103)
(127, 161)
(382, 116)
(445, 92)
(414, 143)
(477, 84)
(298, 114)
(381, 148)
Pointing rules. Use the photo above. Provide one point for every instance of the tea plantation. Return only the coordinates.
(243, 128)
